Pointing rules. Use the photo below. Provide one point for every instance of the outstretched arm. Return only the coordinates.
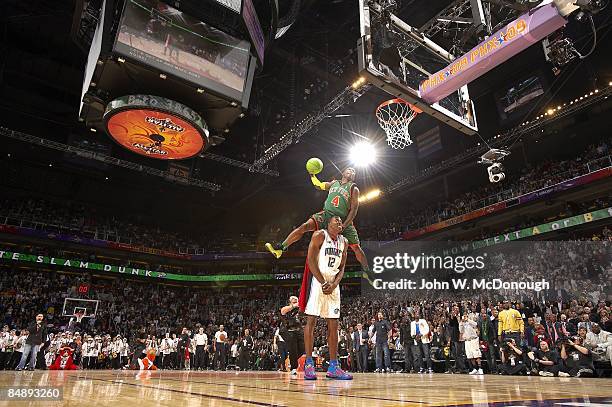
(354, 208)
(323, 186)
(287, 308)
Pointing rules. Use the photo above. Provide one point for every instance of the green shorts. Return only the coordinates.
(322, 219)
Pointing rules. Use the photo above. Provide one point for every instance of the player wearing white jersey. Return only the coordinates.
(329, 259)
(320, 293)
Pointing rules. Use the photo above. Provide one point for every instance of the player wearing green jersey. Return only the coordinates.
(342, 200)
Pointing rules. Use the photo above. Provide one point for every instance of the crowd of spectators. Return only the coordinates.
(387, 232)
(531, 178)
(169, 265)
(577, 310)
(126, 307)
(569, 209)
(90, 222)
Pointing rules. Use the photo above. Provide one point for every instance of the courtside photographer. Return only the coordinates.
(577, 360)
(511, 358)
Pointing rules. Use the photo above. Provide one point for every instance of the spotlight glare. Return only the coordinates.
(360, 81)
(363, 154)
(370, 196)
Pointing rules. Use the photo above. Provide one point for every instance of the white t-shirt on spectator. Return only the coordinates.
(200, 339)
(218, 336)
(167, 346)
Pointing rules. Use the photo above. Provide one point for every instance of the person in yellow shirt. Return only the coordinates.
(511, 324)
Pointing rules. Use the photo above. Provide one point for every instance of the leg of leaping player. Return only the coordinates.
(342, 200)
(320, 293)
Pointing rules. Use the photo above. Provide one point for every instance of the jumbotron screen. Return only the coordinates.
(165, 38)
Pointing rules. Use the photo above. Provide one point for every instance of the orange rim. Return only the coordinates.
(399, 101)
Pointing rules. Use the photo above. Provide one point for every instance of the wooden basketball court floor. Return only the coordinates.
(183, 388)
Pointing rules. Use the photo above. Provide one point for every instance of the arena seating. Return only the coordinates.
(168, 309)
(73, 218)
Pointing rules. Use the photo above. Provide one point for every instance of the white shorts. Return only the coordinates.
(472, 348)
(319, 304)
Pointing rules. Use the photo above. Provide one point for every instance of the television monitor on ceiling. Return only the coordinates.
(160, 36)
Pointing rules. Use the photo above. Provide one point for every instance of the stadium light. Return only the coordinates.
(358, 82)
(370, 196)
(363, 154)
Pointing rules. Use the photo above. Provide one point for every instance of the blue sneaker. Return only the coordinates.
(309, 372)
(335, 372)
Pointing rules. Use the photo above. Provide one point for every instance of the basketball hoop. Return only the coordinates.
(394, 116)
(78, 309)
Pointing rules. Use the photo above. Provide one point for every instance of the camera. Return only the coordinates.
(504, 345)
(496, 172)
(588, 7)
(563, 341)
(494, 157)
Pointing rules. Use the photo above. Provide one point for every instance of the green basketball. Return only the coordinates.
(314, 166)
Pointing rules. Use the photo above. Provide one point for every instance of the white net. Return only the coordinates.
(394, 116)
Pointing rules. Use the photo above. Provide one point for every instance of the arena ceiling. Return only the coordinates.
(41, 75)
